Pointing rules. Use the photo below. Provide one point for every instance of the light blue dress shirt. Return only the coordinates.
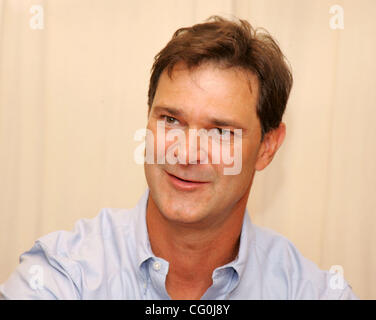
(109, 257)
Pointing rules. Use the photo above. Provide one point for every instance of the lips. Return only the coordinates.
(188, 180)
(185, 185)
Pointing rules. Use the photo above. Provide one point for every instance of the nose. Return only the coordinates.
(191, 149)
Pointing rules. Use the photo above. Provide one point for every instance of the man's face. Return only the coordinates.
(207, 97)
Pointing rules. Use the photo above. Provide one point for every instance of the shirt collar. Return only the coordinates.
(144, 251)
(246, 237)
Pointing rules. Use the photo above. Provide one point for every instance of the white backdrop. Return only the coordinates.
(73, 93)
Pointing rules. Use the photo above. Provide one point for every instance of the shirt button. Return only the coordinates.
(156, 266)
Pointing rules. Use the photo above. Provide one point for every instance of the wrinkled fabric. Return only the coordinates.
(109, 257)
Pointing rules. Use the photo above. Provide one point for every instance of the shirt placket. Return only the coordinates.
(158, 269)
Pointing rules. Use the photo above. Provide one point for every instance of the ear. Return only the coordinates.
(269, 146)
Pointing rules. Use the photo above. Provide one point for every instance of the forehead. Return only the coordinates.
(209, 90)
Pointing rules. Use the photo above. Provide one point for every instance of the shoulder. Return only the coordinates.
(109, 224)
(300, 278)
(95, 250)
(67, 261)
(276, 248)
(95, 247)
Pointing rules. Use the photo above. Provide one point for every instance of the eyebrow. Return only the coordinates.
(170, 110)
(225, 123)
(212, 120)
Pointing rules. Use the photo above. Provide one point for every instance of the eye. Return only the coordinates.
(170, 120)
(223, 132)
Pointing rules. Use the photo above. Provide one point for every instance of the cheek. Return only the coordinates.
(242, 160)
(156, 144)
(249, 156)
(159, 142)
(231, 155)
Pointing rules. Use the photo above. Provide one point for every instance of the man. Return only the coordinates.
(190, 236)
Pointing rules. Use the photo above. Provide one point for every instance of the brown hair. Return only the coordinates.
(231, 44)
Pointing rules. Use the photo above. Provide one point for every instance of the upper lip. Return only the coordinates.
(186, 179)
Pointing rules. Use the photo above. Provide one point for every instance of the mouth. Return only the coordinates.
(185, 185)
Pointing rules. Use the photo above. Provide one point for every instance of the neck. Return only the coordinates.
(193, 251)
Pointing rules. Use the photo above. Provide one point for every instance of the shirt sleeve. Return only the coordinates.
(340, 290)
(348, 294)
(41, 275)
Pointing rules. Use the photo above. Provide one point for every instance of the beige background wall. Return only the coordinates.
(73, 94)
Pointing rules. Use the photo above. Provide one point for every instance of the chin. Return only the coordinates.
(184, 214)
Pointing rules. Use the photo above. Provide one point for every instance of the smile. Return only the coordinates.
(185, 185)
